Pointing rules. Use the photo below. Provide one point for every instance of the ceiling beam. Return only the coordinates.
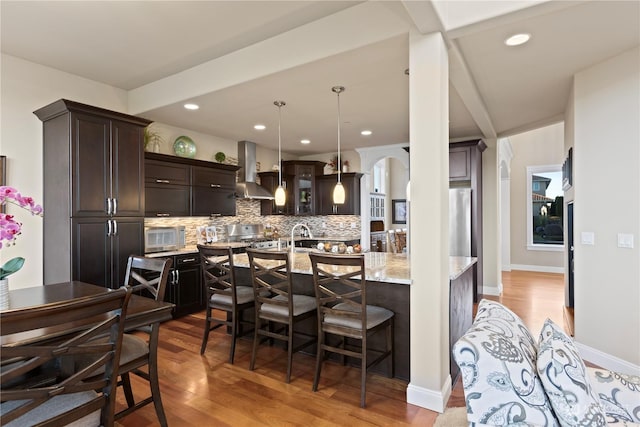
(334, 34)
(427, 20)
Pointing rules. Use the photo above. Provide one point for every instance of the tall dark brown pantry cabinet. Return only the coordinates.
(93, 192)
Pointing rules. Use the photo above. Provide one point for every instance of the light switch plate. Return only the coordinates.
(588, 238)
(625, 240)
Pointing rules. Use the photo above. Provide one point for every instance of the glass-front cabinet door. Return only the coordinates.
(302, 177)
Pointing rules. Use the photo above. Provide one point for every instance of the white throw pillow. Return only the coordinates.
(619, 395)
(565, 380)
(497, 360)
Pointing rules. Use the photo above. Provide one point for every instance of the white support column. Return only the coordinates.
(491, 245)
(430, 384)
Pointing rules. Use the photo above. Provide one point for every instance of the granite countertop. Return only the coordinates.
(323, 238)
(192, 249)
(460, 264)
(379, 266)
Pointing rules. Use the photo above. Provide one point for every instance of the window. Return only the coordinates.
(545, 208)
(379, 172)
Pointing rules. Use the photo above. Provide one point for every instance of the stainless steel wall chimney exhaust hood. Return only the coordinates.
(246, 188)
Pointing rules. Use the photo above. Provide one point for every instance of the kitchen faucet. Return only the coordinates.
(294, 228)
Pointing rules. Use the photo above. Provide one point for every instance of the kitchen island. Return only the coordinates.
(387, 275)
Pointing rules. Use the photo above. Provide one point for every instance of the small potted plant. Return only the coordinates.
(152, 140)
(345, 166)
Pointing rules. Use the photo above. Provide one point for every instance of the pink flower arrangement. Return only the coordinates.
(9, 227)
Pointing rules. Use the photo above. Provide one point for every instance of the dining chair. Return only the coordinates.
(277, 305)
(391, 241)
(219, 281)
(40, 381)
(401, 241)
(147, 276)
(341, 297)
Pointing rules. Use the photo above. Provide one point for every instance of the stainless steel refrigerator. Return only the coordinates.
(460, 221)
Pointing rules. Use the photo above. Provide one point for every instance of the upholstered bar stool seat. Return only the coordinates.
(375, 316)
(301, 304)
(244, 294)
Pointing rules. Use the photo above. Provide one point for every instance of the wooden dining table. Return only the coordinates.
(141, 310)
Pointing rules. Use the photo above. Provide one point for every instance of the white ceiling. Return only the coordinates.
(494, 90)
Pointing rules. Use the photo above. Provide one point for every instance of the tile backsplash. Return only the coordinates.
(248, 212)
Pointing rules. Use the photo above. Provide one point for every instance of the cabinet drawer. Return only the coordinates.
(186, 260)
(166, 173)
(212, 178)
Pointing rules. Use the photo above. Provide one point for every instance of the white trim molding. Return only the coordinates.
(430, 399)
(493, 290)
(537, 268)
(607, 361)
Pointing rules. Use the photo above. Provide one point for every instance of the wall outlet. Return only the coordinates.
(353, 225)
(324, 225)
(342, 225)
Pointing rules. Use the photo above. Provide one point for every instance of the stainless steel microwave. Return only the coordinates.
(161, 239)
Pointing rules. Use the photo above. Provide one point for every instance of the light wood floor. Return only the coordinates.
(207, 391)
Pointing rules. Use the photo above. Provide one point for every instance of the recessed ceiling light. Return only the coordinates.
(305, 141)
(191, 106)
(366, 132)
(517, 39)
(259, 127)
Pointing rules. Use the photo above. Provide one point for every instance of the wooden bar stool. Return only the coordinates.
(275, 303)
(219, 281)
(341, 297)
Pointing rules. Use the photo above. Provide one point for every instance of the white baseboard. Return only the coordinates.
(430, 399)
(506, 267)
(607, 361)
(537, 268)
(493, 289)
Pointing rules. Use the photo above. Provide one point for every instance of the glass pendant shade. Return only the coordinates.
(338, 190)
(338, 194)
(281, 196)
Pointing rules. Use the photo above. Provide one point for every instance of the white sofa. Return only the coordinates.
(511, 379)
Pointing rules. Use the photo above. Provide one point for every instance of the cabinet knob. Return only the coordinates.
(109, 207)
(115, 206)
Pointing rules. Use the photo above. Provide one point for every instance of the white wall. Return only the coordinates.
(544, 146)
(25, 88)
(606, 108)
(208, 145)
(398, 178)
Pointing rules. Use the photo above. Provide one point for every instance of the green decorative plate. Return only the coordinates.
(184, 147)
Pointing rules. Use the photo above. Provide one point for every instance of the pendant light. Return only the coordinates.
(338, 190)
(280, 195)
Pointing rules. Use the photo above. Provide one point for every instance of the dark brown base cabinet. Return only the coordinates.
(93, 170)
(184, 287)
(101, 248)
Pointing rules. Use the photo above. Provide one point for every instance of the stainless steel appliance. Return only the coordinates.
(246, 187)
(162, 239)
(460, 221)
(253, 235)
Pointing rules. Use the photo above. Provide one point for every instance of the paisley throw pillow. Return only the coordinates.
(565, 380)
